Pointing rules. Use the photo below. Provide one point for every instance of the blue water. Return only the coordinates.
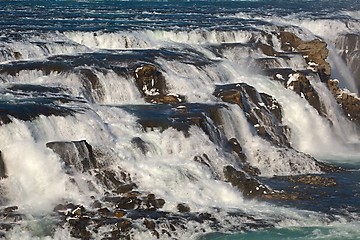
(170, 15)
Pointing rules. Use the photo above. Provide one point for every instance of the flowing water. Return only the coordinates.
(67, 74)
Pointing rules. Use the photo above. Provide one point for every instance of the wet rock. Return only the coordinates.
(314, 51)
(151, 83)
(28, 110)
(302, 86)
(149, 224)
(153, 203)
(183, 208)
(266, 49)
(348, 46)
(313, 180)
(128, 203)
(349, 102)
(125, 188)
(181, 117)
(75, 154)
(104, 211)
(249, 186)
(236, 147)
(262, 111)
(140, 144)
(167, 99)
(92, 84)
(2, 167)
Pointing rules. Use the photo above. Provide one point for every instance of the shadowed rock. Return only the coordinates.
(2, 167)
(349, 49)
(76, 154)
(92, 83)
(262, 111)
(302, 86)
(28, 110)
(249, 186)
(180, 117)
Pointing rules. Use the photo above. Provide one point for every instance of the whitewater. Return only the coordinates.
(179, 119)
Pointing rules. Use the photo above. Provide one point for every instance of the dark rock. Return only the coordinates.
(249, 186)
(119, 213)
(128, 203)
(92, 83)
(140, 144)
(180, 117)
(236, 147)
(266, 49)
(60, 208)
(124, 225)
(302, 86)
(168, 99)
(183, 208)
(28, 110)
(150, 81)
(262, 111)
(152, 203)
(11, 209)
(125, 188)
(76, 154)
(2, 167)
(104, 211)
(149, 224)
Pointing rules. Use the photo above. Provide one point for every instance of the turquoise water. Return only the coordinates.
(329, 233)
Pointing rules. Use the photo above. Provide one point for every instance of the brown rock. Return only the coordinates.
(266, 49)
(150, 81)
(183, 208)
(250, 187)
(315, 51)
(314, 180)
(302, 86)
(350, 103)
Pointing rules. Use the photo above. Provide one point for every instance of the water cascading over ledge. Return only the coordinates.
(156, 141)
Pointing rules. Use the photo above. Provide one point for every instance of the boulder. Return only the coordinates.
(152, 85)
(150, 81)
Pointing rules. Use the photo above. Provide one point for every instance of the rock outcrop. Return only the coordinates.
(77, 154)
(152, 85)
(262, 111)
(348, 46)
(301, 85)
(315, 52)
(349, 102)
